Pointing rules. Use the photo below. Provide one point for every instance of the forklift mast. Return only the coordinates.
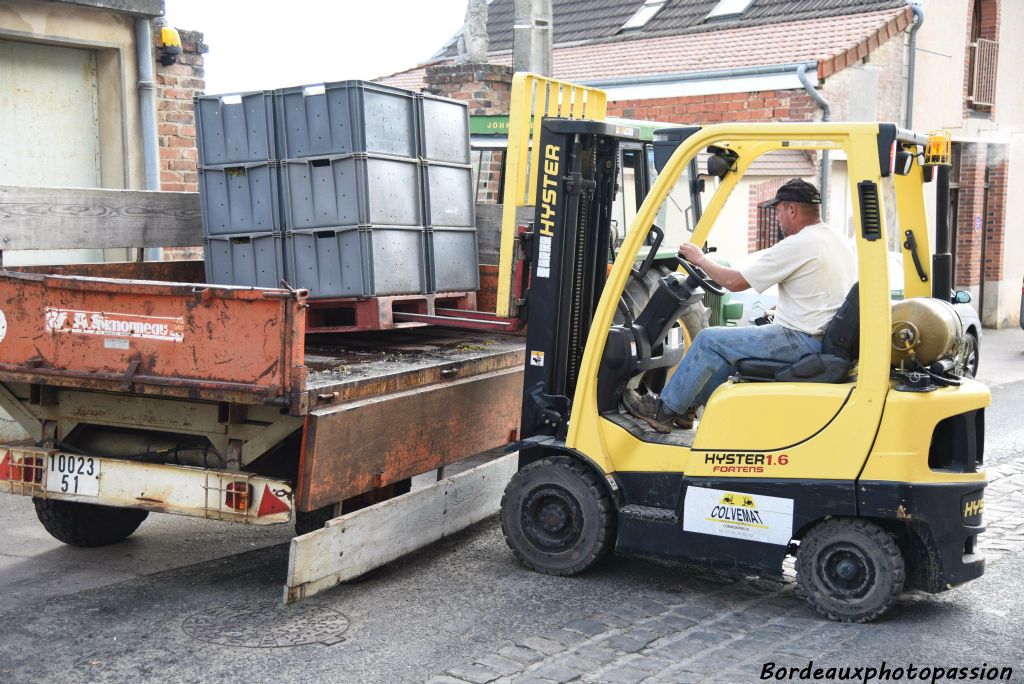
(576, 184)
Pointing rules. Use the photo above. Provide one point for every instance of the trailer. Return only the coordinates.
(140, 388)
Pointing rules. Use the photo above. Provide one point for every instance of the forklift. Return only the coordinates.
(863, 461)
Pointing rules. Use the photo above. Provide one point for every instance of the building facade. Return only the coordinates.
(71, 104)
(710, 61)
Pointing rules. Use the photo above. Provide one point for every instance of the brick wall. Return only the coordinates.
(176, 129)
(966, 271)
(486, 87)
(765, 105)
(759, 193)
(995, 225)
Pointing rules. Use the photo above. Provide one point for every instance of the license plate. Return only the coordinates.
(73, 474)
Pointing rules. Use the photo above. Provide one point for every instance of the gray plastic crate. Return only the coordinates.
(243, 198)
(253, 260)
(352, 190)
(361, 261)
(235, 128)
(452, 260)
(345, 118)
(444, 129)
(449, 195)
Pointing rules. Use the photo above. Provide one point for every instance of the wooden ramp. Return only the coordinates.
(358, 542)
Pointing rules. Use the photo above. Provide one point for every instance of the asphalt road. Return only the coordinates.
(186, 600)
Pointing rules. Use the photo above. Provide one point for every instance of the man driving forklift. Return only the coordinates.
(814, 269)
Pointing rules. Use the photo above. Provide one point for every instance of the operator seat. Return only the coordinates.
(839, 348)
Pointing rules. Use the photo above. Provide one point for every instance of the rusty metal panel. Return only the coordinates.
(174, 339)
(357, 446)
(164, 271)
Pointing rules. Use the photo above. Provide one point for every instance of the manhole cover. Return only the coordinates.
(267, 624)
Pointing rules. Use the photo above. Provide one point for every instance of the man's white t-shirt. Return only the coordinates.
(814, 270)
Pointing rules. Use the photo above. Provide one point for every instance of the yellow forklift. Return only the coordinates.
(862, 461)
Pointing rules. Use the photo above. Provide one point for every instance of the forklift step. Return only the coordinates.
(649, 514)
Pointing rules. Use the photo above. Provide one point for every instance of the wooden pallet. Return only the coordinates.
(378, 313)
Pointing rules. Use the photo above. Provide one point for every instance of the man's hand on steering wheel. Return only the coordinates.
(690, 257)
(692, 253)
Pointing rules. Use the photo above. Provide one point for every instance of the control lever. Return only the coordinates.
(910, 244)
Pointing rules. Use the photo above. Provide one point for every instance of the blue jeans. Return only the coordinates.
(714, 353)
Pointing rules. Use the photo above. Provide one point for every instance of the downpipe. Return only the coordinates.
(147, 111)
(912, 61)
(826, 115)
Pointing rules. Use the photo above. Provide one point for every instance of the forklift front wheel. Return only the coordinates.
(850, 570)
(557, 516)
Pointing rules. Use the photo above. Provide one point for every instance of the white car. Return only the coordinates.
(755, 305)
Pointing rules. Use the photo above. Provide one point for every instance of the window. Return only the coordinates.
(643, 15)
(728, 9)
(982, 57)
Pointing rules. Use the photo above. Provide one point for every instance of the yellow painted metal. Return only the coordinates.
(820, 436)
(911, 211)
(533, 97)
(906, 432)
(748, 153)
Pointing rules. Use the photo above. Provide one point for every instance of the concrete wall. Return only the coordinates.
(939, 103)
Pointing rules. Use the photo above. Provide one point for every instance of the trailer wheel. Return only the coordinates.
(850, 570)
(557, 516)
(82, 524)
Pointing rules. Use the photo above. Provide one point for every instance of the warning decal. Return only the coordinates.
(536, 358)
(163, 328)
(753, 517)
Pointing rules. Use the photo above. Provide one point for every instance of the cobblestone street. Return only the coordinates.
(718, 628)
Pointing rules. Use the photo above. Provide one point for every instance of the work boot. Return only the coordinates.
(686, 419)
(648, 409)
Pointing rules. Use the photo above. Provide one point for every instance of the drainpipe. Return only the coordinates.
(147, 110)
(147, 101)
(826, 115)
(918, 20)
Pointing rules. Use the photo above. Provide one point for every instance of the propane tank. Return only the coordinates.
(926, 330)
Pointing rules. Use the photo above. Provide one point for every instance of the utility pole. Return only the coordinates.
(531, 41)
(475, 41)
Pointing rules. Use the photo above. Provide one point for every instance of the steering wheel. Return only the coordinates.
(698, 273)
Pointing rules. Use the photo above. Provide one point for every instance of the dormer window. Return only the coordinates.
(644, 15)
(728, 9)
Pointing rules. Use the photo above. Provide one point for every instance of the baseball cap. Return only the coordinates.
(796, 190)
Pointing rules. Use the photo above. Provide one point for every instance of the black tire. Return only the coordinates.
(971, 359)
(850, 570)
(557, 516)
(82, 524)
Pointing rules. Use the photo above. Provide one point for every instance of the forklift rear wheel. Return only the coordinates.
(82, 524)
(557, 516)
(850, 570)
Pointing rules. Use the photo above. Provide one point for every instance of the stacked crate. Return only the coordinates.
(239, 189)
(374, 191)
(450, 195)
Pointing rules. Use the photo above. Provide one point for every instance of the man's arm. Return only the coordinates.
(729, 278)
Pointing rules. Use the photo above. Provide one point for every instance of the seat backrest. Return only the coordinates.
(842, 334)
